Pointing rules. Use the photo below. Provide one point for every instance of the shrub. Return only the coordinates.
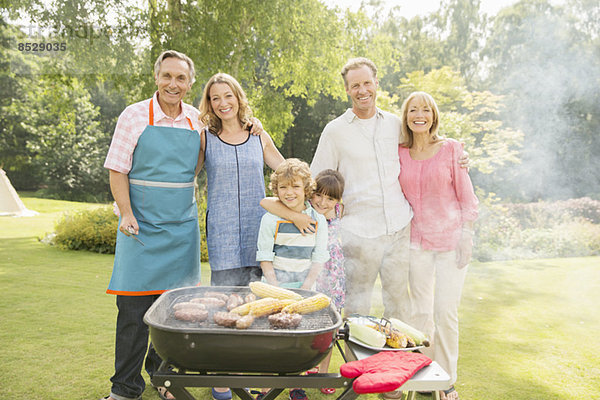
(537, 230)
(93, 230)
(201, 199)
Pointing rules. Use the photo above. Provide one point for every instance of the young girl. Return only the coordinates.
(326, 200)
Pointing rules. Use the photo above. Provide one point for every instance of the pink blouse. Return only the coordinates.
(441, 195)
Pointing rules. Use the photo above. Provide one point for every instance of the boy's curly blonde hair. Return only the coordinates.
(290, 170)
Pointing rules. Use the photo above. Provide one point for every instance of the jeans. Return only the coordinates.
(131, 345)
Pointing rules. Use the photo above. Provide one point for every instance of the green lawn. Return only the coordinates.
(529, 329)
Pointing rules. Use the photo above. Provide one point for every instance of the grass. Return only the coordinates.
(529, 329)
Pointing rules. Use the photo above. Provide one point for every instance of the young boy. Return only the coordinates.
(288, 258)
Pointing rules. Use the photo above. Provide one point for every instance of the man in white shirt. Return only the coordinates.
(362, 144)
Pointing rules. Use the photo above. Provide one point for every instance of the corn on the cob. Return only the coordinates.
(366, 335)
(393, 337)
(269, 307)
(245, 308)
(308, 305)
(413, 334)
(263, 289)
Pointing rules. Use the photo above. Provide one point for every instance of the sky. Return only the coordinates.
(410, 8)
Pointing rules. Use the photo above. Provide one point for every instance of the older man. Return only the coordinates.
(152, 161)
(362, 144)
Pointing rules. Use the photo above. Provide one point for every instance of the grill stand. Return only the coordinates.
(176, 382)
(430, 378)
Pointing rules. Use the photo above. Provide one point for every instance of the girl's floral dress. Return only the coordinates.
(332, 279)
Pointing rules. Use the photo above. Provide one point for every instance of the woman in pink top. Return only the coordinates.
(445, 207)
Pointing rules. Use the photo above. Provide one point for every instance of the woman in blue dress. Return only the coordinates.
(234, 160)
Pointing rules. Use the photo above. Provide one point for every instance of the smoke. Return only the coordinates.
(552, 93)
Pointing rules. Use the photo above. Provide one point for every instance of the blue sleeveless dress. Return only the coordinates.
(236, 186)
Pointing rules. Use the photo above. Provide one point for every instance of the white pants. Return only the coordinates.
(364, 259)
(435, 285)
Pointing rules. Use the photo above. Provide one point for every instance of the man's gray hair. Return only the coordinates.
(175, 54)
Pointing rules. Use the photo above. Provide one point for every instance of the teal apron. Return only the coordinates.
(161, 191)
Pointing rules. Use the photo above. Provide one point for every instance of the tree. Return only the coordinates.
(277, 50)
(544, 62)
(471, 117)
(17, 71)
(461, 29)
(63, 135)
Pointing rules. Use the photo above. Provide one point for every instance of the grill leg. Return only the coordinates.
(348, 394)
(272, 394)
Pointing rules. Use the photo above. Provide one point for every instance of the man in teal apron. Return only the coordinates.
(152, 161)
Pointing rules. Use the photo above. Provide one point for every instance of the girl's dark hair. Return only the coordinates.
(330, 183)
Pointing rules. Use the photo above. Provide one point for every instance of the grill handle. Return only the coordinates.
(343, 333)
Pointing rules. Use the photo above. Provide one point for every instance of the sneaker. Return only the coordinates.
(298, 394)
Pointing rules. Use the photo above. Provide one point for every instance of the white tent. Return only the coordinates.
(10, 203)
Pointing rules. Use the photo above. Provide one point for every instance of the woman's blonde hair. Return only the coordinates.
(426, 98)
(207, 114)
(290, 170)
(330, 183)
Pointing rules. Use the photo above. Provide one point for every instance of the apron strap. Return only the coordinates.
(177, 185)
(151, 115)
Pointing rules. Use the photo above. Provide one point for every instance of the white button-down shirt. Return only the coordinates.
(374, 204)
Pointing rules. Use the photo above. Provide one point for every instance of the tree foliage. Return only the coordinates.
(543, 60)
(525, 76)
(471, 117)
(64, 135)
(277, 50)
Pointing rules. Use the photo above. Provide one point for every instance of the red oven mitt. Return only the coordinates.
(384, 371)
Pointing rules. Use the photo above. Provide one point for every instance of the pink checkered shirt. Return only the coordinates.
(132, 122)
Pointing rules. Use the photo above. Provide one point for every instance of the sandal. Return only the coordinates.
(328, 390)
(259, 394)
(163, 393)
(393, 395)
(449, 394)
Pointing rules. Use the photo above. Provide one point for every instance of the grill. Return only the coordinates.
(207, 346)
(207, 355)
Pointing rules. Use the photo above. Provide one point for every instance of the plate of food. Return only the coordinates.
(384, 334)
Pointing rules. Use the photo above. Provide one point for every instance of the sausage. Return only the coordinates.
(244, 322)
(191, 314)
(209, 302)
(188, 304)
(217, 295)
(285, 320)
(234, 301)
(227, 319)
